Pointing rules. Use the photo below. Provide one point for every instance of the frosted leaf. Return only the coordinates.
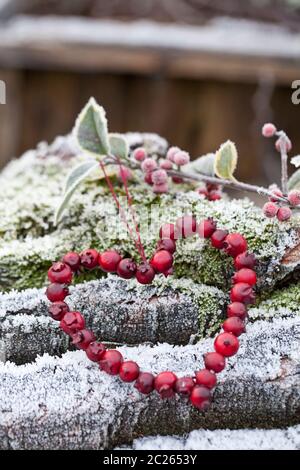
(226, 160)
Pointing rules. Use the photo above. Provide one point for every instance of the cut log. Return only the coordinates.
(67, 403)
(118, 312)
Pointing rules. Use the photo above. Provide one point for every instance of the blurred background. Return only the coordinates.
(195, 71)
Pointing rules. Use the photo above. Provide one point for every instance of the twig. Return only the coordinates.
(284, 159)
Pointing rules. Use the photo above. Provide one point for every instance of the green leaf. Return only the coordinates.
(294, 181)
(77, 175)
(203, 165)
(226, 160)
(91, 131)
(118, 146)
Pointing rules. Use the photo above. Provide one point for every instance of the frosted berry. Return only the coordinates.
(89, 258)
(169, 272)
(184, 385)
(181, 158)
(72, 322)
(61, 273)
(207, 227)
(162, 261)
(166, 165)
(284, 213)
(202, 192)
(160, 188)
(212, 187)
(149, 164)
(73, 260)
(270, 209)
(145, 273)
(171, 153)
(269, 130)
(57, 310)
(126, 268)
(287, 144)
(95, 351)
(237, 309)
(164, 384)
(139, 154)
(206, 378)
(218, 238)
(200, 397)
(214, 195)
(145, 383)
(166, 244)
(275, 192)
(186, 226)
(159, 177)
(168, 231)
(148, 178)
(245, 275)
(294, 197)
(109, 260)
(177, 179)
(235, 244)
(214, 361)
(245, 260)
(124, 173)
(226, 344)
(242, 292)
(56, 292)
(234, 325)
(111, 361)
(83, 338)
(129, 371)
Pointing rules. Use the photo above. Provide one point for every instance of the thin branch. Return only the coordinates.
(283, 142)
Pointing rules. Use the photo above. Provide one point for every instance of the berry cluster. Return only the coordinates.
(198, 389)
(210, 191)
(155, 170)
(275, 209)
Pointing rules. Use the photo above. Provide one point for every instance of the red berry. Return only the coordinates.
(109, 261)
(284, 213)
(166, 164)
(169, 272)
(145, 383)
(207, 227)
(214, 195)
(129, 371)
(186, 226)
(234, 325)
(95, 351)
(245, 275)
(164, 384)
(83, 338)
(276, 192)
(168, 231)
(162, 261)
(89, 258)
(184, 385)
(111, 361)
(270, 209)
(202, 191)
(242, 292)
(145, 274)
(237, 309)
(269, 130)
(214, 361)
(73, 260)
(212, 187)
(139, 154)
(166, 244)
(57, 310)
(72, 322)
(126, 268)
(60, 272)
(218, 238)
(206, 378)
(200, 397)
(148, 178)
(226, 344)
(245, 260)
(56, 292)
(294, 197)
(235, 244)
(177, 179)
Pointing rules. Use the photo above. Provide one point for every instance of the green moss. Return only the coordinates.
(282, 303)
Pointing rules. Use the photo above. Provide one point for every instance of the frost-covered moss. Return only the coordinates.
(281, 303)
(32, 187)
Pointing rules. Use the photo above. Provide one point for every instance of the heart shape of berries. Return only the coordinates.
(198, 388)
